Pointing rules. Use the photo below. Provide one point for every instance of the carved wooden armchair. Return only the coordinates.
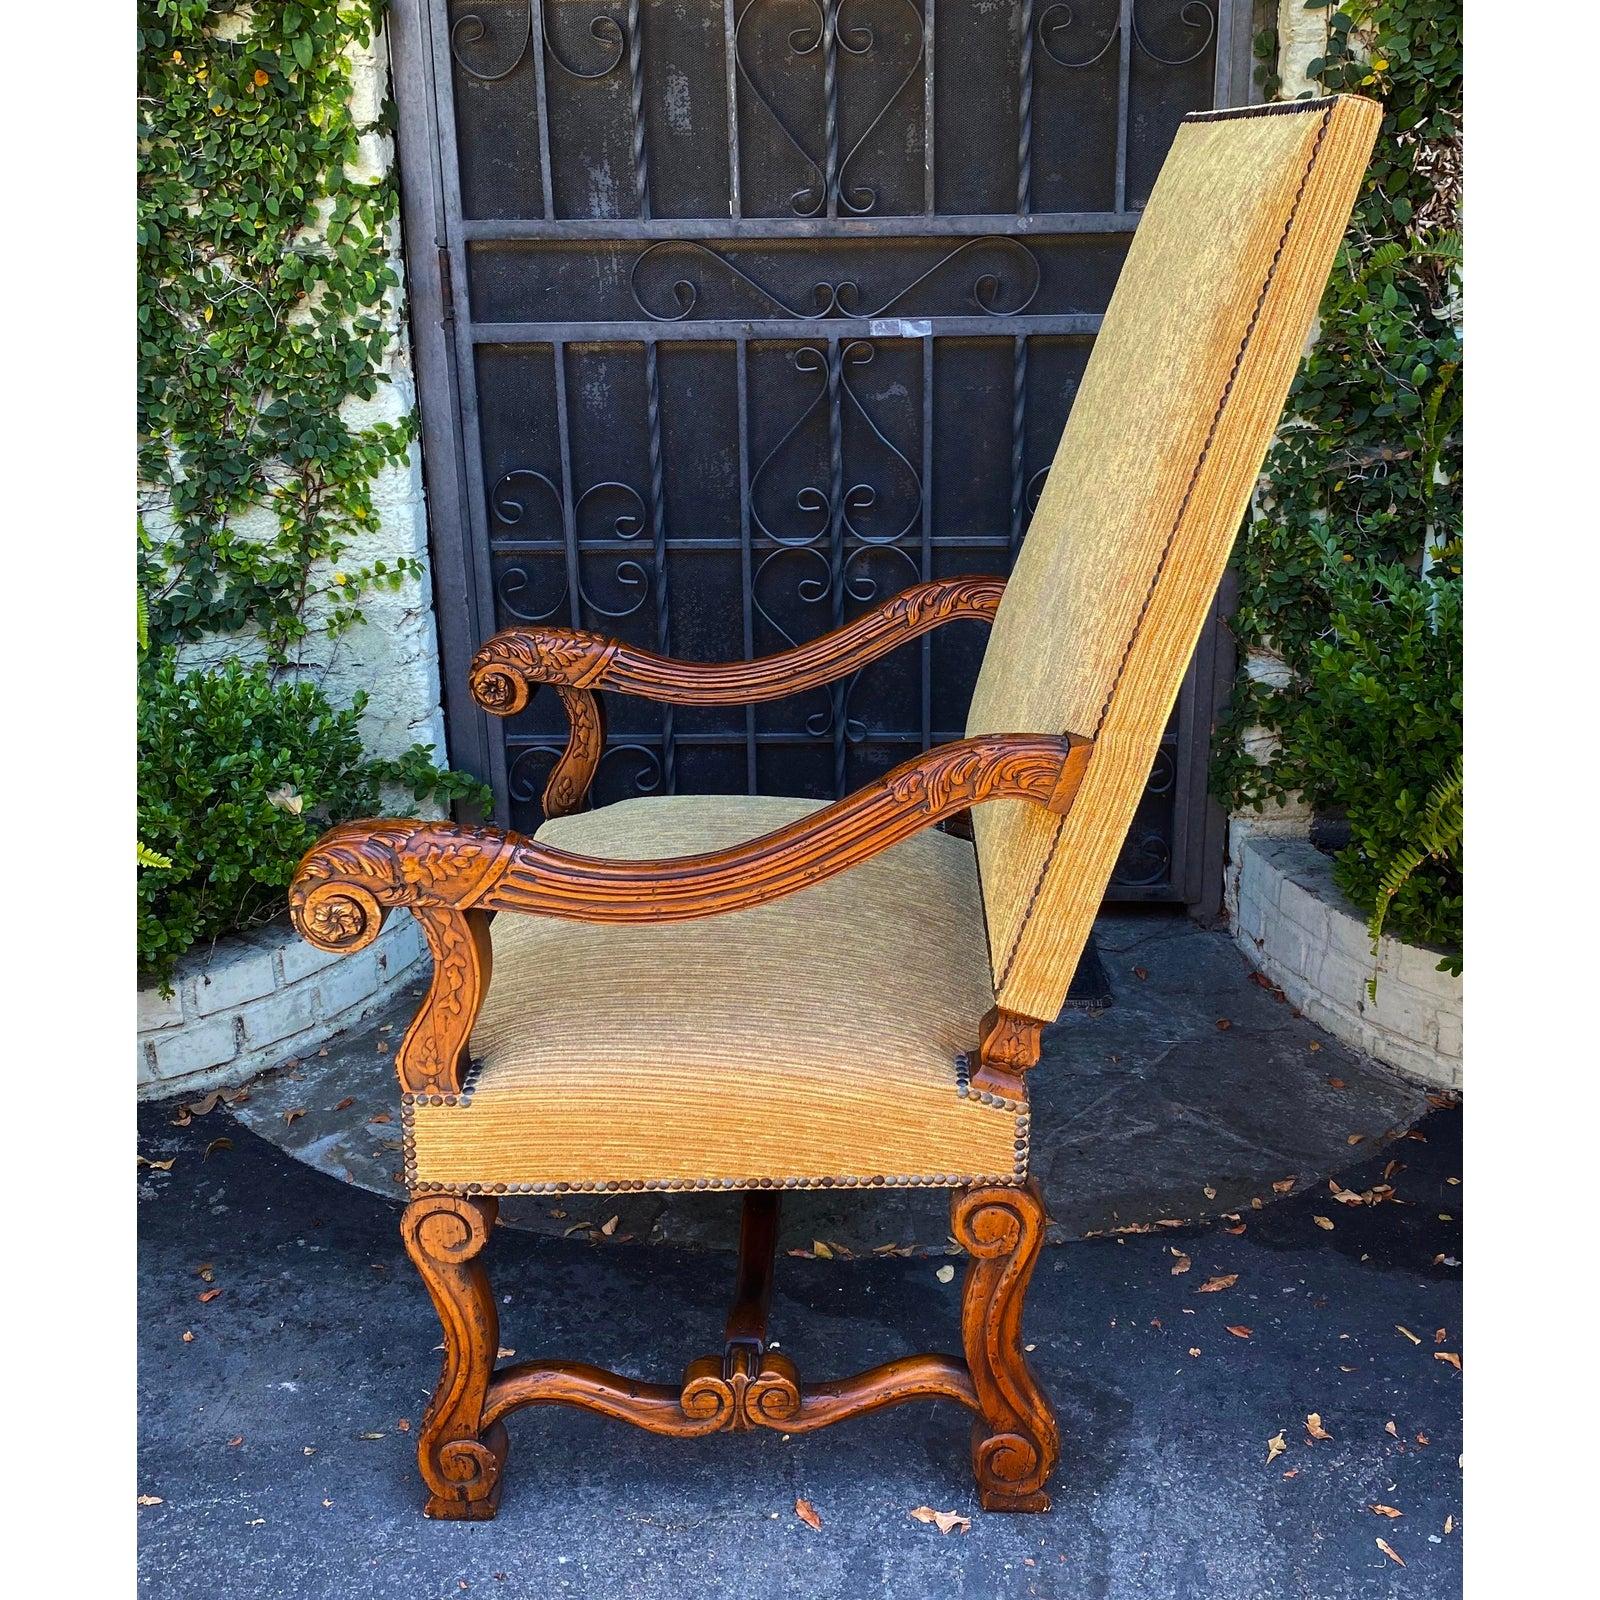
(755, 994)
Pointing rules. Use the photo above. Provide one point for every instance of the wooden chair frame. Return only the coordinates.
(453, 878)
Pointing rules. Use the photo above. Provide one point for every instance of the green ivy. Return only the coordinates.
(263, 275)
(264, 309)
(1351, 573)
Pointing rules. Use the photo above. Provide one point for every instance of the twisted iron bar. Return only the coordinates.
(658, 523)
(1019, 420)
(641, 156)
(1025, 108)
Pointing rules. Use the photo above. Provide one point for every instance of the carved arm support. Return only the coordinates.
(515, 661)
(450, 876)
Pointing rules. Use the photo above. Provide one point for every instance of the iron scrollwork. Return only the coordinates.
(840, 297)
(828, 190)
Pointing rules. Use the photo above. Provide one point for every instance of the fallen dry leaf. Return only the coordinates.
(1239, 1331)
(206, 1296)
(504, 1353)
(188, 1336)
(1182, 1263)
(1450, 1356)
(944, 1521)
(1194, 1349)
(403, 1425)
(151, 1500)
(1355, 1138)
(945, 1273)
(1336, 1083)
(1384, 1511)
(1314, 1046)
(1423, 1440)
(1401, 1328)
(820, 1250)
(293, 1112)
(609, 1226)
(382, 1116)
(1209, 1192)
(1438, 1335)
(1276, 1445)
(1390, 1429)
(370, 1436)
(1449, 1524)
(1224, 1280)
(1389, 1550)
(1283, 1185)
(1324, 1222)
(1314, 1426)
(807, 1513)
(345, 1104)
(236, 1441)
(1293, 1472)
(1223, 1024)
(217, 1144)
(1141, 973)
(160, 1166)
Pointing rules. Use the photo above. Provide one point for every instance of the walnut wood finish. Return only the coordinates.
(512, 664)
(516, 660)
(1016, 1442)
(444, 872)
(1008, 1045)
(746, 1328)
(463, 1445)
(461, 1450)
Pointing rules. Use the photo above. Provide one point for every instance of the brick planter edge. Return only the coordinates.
(252, 1002)
(1296, 928)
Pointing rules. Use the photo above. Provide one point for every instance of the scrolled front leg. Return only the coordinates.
(460, 1458)
(1016, 1444)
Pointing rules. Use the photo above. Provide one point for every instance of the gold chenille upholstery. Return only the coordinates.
(1183, 389)
(811, 1041)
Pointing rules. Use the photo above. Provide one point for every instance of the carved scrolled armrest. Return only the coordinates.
(509, 666)
(450, 876)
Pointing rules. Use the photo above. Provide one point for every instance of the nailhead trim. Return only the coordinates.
(943, 1180)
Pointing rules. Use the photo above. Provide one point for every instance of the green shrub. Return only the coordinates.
(1351, 572)
(238, 774)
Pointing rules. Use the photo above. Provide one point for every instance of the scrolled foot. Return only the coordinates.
(460, 1458)
(1015, 1444)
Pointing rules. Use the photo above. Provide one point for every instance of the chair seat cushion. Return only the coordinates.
(812, 1042)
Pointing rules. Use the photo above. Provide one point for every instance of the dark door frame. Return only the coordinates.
(463, 598)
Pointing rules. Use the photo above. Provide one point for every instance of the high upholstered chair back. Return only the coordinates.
(1182, 393)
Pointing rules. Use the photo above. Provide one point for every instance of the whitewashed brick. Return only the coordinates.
(348, 983)
(298, 960)
(237, 974)
(158, 1012)
(276, 1016)
(1449, 1034)
(178, 1052)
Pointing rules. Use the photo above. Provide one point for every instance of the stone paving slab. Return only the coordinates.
(1195, 1078)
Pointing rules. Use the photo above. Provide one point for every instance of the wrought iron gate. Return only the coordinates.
(748, 313)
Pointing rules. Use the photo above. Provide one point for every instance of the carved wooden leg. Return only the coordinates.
(460, 1458)
(1016, 1442)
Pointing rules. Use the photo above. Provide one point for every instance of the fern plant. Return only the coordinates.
(1437, 836)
